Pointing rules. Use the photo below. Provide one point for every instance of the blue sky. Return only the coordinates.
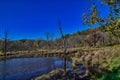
(32, 19)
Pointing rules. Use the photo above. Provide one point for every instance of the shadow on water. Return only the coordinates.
(28, 68)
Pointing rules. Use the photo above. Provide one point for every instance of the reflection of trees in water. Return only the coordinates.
(4, 70)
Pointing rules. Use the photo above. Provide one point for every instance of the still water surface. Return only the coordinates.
(28, 68)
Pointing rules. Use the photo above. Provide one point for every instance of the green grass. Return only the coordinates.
(114, 75)
(115, 68)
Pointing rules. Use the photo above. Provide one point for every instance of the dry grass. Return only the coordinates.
(100, 60)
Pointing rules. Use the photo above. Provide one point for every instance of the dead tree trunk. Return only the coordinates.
(64, 45)
(5, 44)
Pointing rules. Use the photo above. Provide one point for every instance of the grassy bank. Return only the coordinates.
(102, 64)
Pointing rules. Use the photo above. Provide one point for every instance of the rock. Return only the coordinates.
(43, 77)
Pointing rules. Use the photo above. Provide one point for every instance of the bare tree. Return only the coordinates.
(5, 43)
(64, 45)
(50, 39)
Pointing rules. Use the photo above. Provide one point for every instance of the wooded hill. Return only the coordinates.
(95, 37)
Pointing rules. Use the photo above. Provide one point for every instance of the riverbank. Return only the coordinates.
(59, 74)
(100, 64)
(45, 53)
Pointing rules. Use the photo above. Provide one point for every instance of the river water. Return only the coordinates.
(28, 68)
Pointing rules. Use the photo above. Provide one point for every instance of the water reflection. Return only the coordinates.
(27, 68)
(4, 70)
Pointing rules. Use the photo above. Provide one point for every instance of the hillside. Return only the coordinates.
(95, 37)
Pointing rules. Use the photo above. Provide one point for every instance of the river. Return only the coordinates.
(28, 68)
